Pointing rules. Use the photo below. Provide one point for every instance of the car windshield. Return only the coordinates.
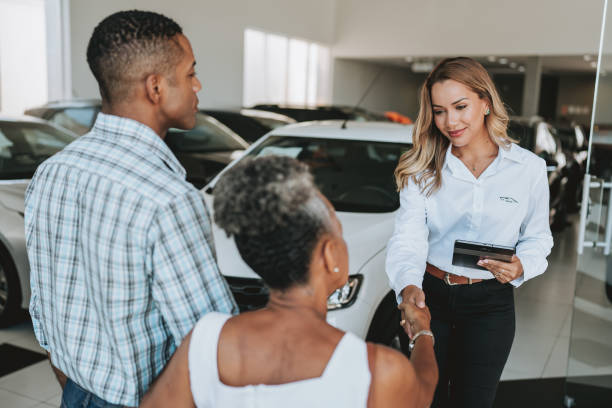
(78, 120)
(208, 135)
(23, 146)
(355, 175)
(250, 130)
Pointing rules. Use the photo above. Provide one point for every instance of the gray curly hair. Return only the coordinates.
(276, 215)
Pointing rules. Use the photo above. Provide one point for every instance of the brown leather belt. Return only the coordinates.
(450, 278)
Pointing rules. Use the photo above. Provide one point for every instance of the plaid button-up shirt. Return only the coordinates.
(121, 257)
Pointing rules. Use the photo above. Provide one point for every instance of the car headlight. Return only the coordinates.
(346, 295)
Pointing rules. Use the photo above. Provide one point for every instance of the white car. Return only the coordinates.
(353, 167)
(24, 144)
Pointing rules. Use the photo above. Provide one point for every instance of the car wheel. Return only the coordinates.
(385, 328)
(10, 292)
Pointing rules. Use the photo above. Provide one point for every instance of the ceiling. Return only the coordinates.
(563, 64)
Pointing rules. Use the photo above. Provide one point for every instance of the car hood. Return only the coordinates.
(12, 194)
(366, 234)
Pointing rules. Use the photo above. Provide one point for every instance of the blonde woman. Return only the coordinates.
(465, 179)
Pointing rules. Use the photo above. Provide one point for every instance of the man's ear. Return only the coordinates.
(154, 85)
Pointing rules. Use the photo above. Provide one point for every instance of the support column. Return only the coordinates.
(531, 86)
(59, 68)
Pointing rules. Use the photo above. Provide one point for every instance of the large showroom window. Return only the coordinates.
(23, 62)
(283, 70)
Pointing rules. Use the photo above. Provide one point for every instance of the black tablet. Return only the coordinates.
(467, 253)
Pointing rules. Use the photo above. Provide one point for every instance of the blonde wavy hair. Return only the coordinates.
(423, 162)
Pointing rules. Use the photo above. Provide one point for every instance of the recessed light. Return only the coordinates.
(587, 57)
(409, 58)
(422, 66)
(513, 65)
(503, 60)
(492, 58)
(521, 68)
(593, 64)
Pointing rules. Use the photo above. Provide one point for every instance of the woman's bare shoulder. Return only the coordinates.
(393, 377)
(390, 363)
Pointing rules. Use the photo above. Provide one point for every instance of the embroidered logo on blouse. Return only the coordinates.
(508, 200)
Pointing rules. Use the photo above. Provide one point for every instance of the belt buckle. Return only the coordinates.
(447, 279)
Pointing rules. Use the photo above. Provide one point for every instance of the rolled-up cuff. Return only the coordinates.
(532, 267)
(38, 332)
(411, 279)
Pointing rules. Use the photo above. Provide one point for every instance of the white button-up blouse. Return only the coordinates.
(507, 205)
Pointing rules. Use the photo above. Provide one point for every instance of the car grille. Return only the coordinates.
(250, 294)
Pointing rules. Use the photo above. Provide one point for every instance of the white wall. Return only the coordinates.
(396, 89)
(578, 90)
(354, 29)
(390, 28)
(603, 109)
(216, 31)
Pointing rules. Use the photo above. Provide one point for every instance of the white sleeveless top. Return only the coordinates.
(344, 383)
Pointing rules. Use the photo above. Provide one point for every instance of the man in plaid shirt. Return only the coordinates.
(120, 245)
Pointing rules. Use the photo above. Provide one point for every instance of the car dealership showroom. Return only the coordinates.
(330, 177)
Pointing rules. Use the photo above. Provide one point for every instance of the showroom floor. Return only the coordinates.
(544, 315)
(540, 350)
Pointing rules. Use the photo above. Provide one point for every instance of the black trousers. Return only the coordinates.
(474, 329)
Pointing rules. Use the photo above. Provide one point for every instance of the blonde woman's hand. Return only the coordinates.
(414, 319)
(504, 272)
(413, 298)
(414, 295)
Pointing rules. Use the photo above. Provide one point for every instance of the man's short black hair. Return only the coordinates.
(128, 46)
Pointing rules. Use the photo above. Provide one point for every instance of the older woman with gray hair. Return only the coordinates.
(286, 354)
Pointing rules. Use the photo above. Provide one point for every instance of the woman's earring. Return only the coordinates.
(336, 269)
(487, 112)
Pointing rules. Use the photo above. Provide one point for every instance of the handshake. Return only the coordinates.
(415, 314)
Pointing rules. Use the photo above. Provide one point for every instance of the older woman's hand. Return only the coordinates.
(504, 272)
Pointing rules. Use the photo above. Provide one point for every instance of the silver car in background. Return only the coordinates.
(24, 144)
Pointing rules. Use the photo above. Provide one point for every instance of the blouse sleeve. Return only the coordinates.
(535, 239)
(407, 249)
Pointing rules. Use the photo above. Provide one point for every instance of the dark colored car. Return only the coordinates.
(203, 151)
(575, 148)
(601, 152)
(540, 137)
(77, 115)
(305, 114)
(250, 124)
